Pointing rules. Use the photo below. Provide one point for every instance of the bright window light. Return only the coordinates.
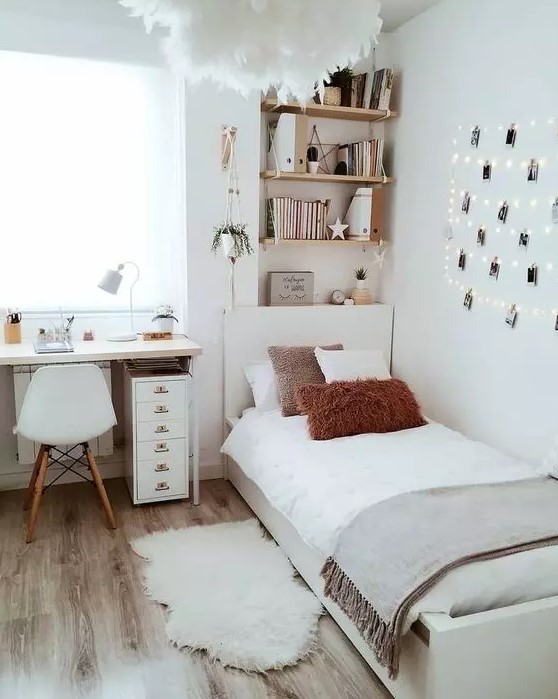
(89, 178)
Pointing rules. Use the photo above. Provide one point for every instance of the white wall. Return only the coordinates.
(101, 29)
(208, 275)
(494, 62)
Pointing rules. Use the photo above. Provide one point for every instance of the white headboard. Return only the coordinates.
(250, 330)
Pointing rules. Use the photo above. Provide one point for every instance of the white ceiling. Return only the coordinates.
(394, 12)
(397, 12)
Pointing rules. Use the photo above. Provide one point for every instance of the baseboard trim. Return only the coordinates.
(19, 478)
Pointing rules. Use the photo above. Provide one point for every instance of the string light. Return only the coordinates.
(516, 203)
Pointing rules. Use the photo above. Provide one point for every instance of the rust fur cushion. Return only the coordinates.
(294, 366)
(346, 408)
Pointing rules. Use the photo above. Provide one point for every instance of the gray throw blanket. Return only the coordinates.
(394, 551)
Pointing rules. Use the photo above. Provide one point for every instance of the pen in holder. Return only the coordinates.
(12, 328)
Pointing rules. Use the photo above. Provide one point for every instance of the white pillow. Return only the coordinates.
(349, 365)
(261, 377)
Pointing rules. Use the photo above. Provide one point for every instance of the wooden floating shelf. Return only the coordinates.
(339, 179)
(339, 243)
(326, 111)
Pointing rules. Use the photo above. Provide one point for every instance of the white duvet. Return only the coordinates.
(321, 486)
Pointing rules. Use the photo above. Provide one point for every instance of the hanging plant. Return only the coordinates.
(234, 240)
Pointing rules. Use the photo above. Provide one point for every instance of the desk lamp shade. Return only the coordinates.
(110, 283)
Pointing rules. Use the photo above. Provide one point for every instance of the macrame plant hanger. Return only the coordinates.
(233, 205)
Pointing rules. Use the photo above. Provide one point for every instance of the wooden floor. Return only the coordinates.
(74, 621)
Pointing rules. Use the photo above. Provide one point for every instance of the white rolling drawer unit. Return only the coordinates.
(157, 436)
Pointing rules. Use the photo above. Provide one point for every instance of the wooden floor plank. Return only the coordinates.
(74, 620)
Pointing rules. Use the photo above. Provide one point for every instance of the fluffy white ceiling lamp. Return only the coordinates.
(257, 44)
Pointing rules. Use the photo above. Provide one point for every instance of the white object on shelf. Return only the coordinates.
(288, 144)
(157, 432)
(360, 215)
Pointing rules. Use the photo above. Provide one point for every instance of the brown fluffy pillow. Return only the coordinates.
(346, 408)
(294, 366)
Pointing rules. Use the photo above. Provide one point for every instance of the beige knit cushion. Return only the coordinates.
(294, 366)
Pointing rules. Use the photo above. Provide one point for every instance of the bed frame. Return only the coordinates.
(506, 653)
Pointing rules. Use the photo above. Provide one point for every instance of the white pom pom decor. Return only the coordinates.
(257, 44)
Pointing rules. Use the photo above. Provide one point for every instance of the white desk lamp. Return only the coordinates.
(111, 283)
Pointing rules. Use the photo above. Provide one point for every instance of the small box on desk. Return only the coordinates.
(291, 288)
(12, 333)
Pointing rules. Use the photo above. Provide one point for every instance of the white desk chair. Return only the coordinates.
(65, 404)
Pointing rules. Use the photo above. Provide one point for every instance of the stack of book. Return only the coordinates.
(294, 219)
(382, 85)
(363, 159)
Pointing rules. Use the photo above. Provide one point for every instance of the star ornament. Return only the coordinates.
(379, 258)
(337, 229)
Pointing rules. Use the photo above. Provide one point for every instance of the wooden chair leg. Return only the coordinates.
(31, 486)
(100, 487)
(37, 495)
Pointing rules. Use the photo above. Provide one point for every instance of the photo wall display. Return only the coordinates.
(501, 234)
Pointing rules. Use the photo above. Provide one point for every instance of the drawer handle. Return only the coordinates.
(161, 409)
(162, 428)
(163, 485)
(161, 467)
(160, 388)
(162, 446)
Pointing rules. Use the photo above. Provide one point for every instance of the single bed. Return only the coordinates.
(487, 629)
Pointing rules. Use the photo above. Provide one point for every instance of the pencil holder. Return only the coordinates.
(12, 333)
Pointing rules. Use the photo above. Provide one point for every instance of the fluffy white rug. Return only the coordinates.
(230, 591)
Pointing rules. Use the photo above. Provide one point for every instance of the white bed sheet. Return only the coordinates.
(321, 486)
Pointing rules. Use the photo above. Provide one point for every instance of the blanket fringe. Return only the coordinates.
(379, 635)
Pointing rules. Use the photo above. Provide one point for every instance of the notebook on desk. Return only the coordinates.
(53, 347)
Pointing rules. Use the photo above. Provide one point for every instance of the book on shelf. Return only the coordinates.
(358, 86)
(382, 85)
(294, 219)
(362, 159)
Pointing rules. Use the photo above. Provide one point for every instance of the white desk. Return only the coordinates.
(100, 350)
(103, 350)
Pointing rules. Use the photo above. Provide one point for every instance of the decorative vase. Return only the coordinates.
(166, 325)
(361, 283)
(332, 96)
(227, 242)
(312, 167)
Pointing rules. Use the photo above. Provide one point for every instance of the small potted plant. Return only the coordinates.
(234, 240)
(361, 295)
(361, 275)
(338, 91)
(165, 317)
(312, 160)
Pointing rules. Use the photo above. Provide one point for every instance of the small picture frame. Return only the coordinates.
(511, 316)
(466, 203)
(511, 134)
(533, 170)
(487, 171)
(494, 270)
(462, 259)
(475, 136)
(503, 212)
(555, 211)
(468, 300)
(524, 237)
(481, 236)
(532, 273)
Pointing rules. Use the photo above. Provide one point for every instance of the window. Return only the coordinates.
(88, 178)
